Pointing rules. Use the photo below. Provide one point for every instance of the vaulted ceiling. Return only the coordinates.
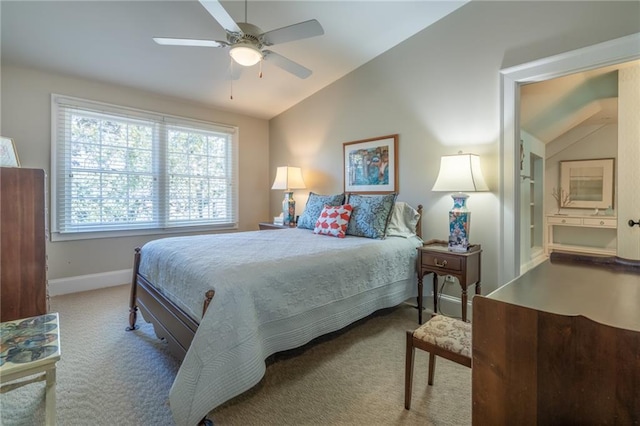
(586, 100)
(111, 41)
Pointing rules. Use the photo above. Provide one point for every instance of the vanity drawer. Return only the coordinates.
(564, 220)
(600, 221)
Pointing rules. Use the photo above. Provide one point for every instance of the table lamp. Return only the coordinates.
(288, 178)
(459, 174)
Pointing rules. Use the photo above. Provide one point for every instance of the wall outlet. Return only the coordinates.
(449, 279)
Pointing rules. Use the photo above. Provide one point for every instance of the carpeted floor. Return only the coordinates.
(352, 377)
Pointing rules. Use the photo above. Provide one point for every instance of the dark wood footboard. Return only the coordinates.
(170, 322)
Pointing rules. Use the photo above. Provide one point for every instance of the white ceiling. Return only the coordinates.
(111, 41)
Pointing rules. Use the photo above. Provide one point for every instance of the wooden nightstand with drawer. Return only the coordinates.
(437, 259)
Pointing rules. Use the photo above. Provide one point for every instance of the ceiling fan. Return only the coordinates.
(247, 42)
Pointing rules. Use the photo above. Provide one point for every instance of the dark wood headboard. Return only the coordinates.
(419, 224)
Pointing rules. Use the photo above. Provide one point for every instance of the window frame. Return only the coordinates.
(163, 123)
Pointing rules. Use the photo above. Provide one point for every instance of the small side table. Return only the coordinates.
(268, 225)
(28, 347)
(437, 259)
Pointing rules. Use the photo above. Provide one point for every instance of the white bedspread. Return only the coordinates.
(275, 290)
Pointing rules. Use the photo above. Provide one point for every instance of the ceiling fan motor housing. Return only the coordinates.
(251, 35)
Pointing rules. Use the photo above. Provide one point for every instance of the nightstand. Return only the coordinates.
(269, 225)
(437, 259)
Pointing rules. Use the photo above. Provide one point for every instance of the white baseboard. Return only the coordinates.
(449, 305)
(452, 306)
(68, 285)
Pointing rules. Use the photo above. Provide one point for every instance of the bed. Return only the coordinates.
(226, 302)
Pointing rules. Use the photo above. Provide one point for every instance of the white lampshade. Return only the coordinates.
(460, 173)
(288, 178)
(245, 54)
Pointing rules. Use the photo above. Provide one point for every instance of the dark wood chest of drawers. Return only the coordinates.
(23, 267)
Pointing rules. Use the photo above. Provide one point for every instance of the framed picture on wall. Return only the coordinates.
(371, 165)
(589, 183)
(8, 153)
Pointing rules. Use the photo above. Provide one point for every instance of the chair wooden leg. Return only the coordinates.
(408, 370)
(432, 367)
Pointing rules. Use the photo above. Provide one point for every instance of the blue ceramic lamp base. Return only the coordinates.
(459, 223)
(289, 209)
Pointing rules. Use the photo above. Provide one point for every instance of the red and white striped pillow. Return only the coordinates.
(333, 220)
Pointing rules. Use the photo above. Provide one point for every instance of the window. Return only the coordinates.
(118, 171)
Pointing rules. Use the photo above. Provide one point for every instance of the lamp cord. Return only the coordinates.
(440, 301)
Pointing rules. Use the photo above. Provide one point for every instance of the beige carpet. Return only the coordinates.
(353, 377)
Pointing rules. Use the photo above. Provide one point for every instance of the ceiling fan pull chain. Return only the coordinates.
(260, 75)
(245, 11)
(231, 80)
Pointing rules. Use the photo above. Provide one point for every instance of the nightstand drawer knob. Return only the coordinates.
(440, 265)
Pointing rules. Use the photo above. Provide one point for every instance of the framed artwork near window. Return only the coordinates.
(8, 153)
(371, 165)
(589, 183)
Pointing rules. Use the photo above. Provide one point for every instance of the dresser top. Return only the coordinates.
(600, 294)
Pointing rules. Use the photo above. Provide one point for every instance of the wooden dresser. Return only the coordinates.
(559, 345)
(23, 266)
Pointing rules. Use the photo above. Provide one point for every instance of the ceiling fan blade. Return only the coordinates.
(189, 42)
(293, 32)
(286, 64)
(219, 13)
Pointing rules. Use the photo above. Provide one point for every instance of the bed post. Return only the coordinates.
(419, 224)
(208, 296)
(133, 308)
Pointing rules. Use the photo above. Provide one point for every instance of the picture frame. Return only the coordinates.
(371, 165)
(8, 153)
(589, 183)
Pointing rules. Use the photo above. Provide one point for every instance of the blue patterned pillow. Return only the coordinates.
(371, 214)
(314, 207)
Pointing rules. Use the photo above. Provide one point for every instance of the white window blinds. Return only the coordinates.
(116, 169)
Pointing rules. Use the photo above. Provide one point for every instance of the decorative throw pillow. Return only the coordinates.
(371, 214)
(403, 221)
(314, 206)
(333, 220)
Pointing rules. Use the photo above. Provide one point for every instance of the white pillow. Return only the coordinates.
(404, 219)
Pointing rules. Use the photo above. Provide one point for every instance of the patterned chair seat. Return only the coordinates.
(442, 336)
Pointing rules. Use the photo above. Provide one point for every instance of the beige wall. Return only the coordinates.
(440, 91)
(26, 117)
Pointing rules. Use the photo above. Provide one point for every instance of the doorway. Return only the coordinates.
(604, 54)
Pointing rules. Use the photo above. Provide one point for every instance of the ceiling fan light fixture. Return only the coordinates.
(245, 54)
